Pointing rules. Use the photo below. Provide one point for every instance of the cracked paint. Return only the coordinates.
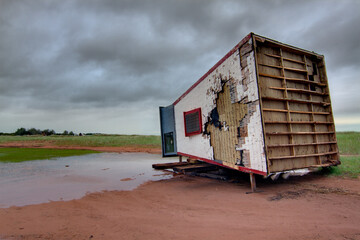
(235, 138)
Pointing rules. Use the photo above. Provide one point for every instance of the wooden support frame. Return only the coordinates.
(302, 144)
(299, 91)
(303, 156)
(297, 101)
(292, 79)
(297, 115)
(253, 182)
(298, 133)
(293, 111)
(297, 122)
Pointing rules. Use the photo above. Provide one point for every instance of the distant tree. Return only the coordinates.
(71, 133)
(21, 132)
(65, 132)
(48, 132)
(33, 131)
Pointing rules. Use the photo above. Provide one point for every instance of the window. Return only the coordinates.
(169, 142)
(193, 123)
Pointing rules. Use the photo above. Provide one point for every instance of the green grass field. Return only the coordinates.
(146, 141)
(349, 144)
(350, 167)
(26, 154)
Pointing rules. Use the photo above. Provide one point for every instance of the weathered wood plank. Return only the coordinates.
(297, 122)
(202, 167)
(301, 144)
(297, 101)
(293, 111)
(169, 165)
(303, 156)
(298, 133)
(299, 91)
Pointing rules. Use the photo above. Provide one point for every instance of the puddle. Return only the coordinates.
(69, 178)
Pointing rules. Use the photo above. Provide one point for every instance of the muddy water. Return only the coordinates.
(72, 177)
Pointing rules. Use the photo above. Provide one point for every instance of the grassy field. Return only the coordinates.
(144, 141)
(350, 167)
(26, 154)
(349, 148)
(349, 143)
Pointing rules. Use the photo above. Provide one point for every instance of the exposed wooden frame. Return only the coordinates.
(303, 156)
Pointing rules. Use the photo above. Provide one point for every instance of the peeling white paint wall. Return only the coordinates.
(255, 140)
(204, 96)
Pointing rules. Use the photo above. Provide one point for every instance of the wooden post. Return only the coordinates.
(180, 158)
(252, 182)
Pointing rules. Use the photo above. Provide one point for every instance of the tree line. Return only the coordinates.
(34, 131)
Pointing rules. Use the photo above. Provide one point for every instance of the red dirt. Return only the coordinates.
(310, 207)
(45, 144)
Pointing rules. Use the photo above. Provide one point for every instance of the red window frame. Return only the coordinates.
(198, 110)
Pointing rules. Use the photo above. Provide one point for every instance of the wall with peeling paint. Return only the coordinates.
(238, 73)
(252, 143)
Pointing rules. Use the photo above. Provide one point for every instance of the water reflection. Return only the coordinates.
(72, 177)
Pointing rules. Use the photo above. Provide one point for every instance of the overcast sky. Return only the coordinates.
(105, 66)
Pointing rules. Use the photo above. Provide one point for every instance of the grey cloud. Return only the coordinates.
(97, 54)
(338, 35)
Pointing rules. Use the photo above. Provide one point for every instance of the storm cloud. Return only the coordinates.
(105, 66)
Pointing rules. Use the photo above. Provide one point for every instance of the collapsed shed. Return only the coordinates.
(264, 108)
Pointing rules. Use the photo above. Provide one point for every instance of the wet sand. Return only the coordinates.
(184, 207)
(68, 178)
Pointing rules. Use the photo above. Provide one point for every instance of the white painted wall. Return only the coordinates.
(204, 96)
(255, 140)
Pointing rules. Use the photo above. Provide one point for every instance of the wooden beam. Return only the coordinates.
(303, 156)
(297, 122)
(169, 165)
(293, 79)
(298, 133)
(287, 59)
(301, 144)
(297, 101)
(295, 70)
(272, 66)
(293, 111)
(300, 91)
(253, 182)
(200, 167)
(270, 76)
(293, 60)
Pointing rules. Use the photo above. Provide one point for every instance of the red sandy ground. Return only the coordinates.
(309, 207)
